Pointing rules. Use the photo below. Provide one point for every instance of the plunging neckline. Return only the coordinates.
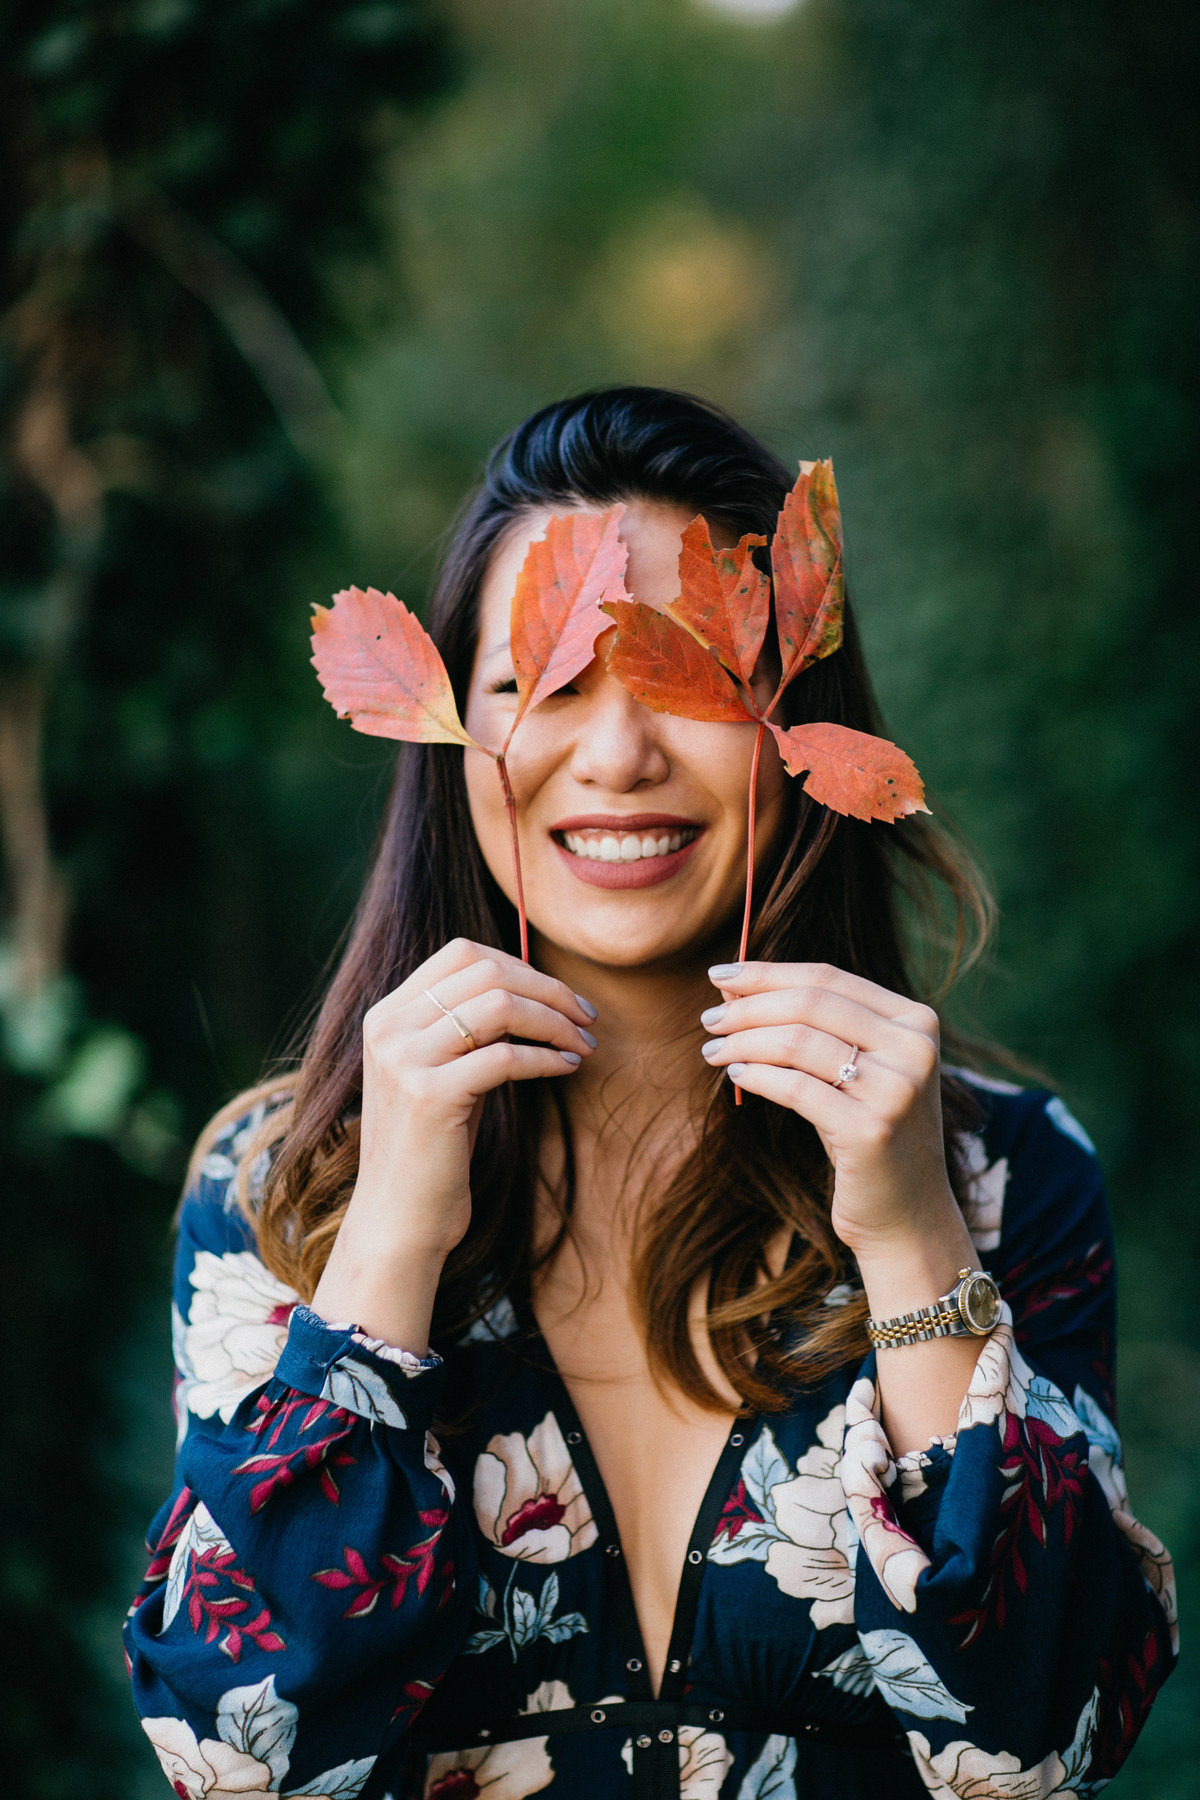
(720, 1483)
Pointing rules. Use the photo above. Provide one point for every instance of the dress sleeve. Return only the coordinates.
(304, 1592)
(1012, 1611)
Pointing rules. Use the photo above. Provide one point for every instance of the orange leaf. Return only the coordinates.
(664, 667)
(852, 772)
(724, 600)
(806, 558)
(380, 669)
(556, 615)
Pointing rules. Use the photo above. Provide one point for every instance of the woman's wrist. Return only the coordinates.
(390, 1298)
(903, 1273)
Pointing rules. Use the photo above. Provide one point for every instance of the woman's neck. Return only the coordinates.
(634, 1105)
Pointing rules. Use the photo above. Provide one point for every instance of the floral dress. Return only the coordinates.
(341, 1603)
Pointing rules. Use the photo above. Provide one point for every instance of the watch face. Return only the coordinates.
(979, 1303)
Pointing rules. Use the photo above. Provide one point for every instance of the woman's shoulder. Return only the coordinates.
(1032, 1170)
(228, 1169)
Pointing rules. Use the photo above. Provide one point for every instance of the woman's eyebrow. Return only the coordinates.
(502, 649)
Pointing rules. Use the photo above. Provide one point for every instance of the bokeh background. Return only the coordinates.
(277, 274)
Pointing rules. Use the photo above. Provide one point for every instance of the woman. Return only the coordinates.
(680, 1531)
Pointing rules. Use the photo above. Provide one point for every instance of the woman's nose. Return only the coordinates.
(617, 744)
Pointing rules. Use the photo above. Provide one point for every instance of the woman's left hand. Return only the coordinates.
(784, 1032)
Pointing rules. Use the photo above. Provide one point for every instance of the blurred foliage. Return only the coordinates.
(956, 249)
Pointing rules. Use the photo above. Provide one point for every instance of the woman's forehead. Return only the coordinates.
(651, 529)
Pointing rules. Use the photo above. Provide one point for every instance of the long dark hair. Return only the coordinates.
(833, 892)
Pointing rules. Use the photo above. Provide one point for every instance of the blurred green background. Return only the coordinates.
(278, 273)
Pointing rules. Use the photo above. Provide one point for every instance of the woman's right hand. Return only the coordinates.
(423, 1089)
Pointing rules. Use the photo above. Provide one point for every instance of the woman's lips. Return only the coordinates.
(630, 858)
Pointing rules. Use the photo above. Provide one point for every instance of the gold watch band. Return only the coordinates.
(915, 1328)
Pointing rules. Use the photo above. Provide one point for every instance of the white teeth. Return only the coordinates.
(629, 848)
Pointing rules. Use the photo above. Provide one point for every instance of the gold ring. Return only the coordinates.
(454, 1019)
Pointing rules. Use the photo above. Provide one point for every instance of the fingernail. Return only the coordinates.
(587, 1037)
(712, 1017)
(724, 972)
(587, 1006)
(571, 1056)
(735, 1071)
(710, 1049)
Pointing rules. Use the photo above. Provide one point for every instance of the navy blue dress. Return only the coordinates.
(384, 1576)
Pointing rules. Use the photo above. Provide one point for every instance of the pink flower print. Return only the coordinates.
(529, 1500)
(496, 1772)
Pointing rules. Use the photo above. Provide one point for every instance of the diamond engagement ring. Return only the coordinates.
(849, 1069)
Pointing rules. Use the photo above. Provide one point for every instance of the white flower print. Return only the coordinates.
(529, 1500)
(250, 1755)
(435, 1465)
(867, 1473)
(235, 1333)
(964, 1772)
(983, 1207)
(803, 1535)
(1154, 1560)
(496, 1772)
(549, 1696)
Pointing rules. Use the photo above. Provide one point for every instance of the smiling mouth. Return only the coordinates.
(628, 846)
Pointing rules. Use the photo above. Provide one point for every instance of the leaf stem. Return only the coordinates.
(511, 808)
(751, 807)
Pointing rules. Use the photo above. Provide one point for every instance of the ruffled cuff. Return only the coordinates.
(894, 1501)
(361, 1374)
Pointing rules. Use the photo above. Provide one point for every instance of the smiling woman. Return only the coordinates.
(682, 1529)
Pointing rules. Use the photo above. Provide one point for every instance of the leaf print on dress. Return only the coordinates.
(496, 1771)
(204, 1563)
(236, 1329)
(964, 1772)
(795, 1522)
(906, 1678)
(250, 1755)
(772, 1774)
(529, 1501)
(358, 1388)
(518, 1619)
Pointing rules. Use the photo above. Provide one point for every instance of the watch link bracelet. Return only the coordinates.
(970, 1309)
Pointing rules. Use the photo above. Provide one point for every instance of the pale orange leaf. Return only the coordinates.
(852, 772)
(380, 669)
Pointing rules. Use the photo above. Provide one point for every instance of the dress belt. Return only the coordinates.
(661, 1719)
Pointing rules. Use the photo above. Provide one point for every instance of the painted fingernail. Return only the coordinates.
(712, 1018)
(587, 1006)
(724, 971)
(735, 1071)
(712, 1047)
(571, 1056)
(587, 1037)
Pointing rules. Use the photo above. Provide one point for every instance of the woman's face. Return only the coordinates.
(632, 823)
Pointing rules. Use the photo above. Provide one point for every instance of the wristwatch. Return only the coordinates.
(970, 1309)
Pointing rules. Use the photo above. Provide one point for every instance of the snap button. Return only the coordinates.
(598, 1715)
(716, 1715)
(675, 1665)
(695, 1556)
(485, 1731)
(634, 1665)
(612, 1549)
(574, 1437)
(666, 1737)
(645, 1740)
(738, 1438)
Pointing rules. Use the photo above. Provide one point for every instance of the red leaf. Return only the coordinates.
(355, 1563)
(556, 615)
(380, 668)
(724, 599)
(664, 667)
(270, 1640)
(358, 1609)
(806, 558)
(852, 772)
(333, 1578)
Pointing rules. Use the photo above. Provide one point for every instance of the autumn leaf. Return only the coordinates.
(806, 561)
(852, 772)
(724, 598)
(556, 616)
(664, 667)
(380, 669)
